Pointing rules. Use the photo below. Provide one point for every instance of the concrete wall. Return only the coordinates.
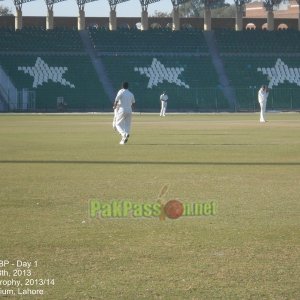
(71, 22)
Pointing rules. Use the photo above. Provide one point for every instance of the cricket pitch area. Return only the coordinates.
(53, 166)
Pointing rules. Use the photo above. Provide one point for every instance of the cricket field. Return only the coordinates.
(80, 214)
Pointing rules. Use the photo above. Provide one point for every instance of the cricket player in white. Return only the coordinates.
(263, 94)
(164, 100)
(124, 102)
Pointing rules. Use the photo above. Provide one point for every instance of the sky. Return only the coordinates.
(99, 8)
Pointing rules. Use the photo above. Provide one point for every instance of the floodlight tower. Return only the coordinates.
(81, 17)
(175, 13)
(18, 17)
(113, 13)
(49, 19)
(144, 18)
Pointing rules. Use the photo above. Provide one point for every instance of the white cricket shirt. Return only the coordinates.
(125, 99)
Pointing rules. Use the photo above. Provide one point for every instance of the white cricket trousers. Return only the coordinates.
(114, 119)
(163, 108)
(263, 105)
(123, 122)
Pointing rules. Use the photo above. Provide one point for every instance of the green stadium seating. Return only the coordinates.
(127, 52)
(35, 39)
(153, 61)
(191, 82)
(245, 74)
(258, 41)
(71, 77)
(133, 40)
(249, 59)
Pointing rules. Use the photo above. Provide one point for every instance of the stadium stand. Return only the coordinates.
(154, 40)
(57, 64)
(161, 59)
(258, 41)
(68, 77)
(35, 39)
(246, 75)
(252, 58)
(181, 76)
(53, 64)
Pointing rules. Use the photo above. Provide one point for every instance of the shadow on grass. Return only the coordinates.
(137, 162)
(201, 134)
(199, 144)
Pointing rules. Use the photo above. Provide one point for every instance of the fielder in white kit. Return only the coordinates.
(164, 101)
(263, 94)
(124, 102)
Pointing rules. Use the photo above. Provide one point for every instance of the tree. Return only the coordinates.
(223, 12)
(5, 11)
(269, 6)
(195, 8)
(159, 14)
(240, 8)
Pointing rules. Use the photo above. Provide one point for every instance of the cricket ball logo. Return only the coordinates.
(173, 209)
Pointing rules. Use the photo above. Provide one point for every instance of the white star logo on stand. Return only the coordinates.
(41, 73)
(157, 73)
(281, 72)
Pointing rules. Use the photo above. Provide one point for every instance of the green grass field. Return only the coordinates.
(51, 166)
